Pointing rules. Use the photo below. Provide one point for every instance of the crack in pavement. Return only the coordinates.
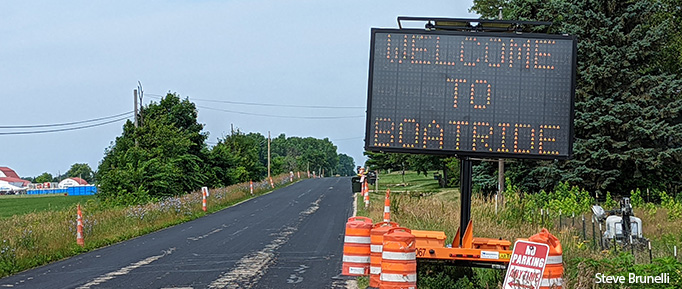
(125, 270)
(251, 268)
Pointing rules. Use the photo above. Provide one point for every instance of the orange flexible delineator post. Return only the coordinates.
(271, 183)
(251, 187)
(356, 247)
(399, 260)
(79, 227)
(387, 207)
(203, 200)
(376, 248)
(552, 277)
(366, 193)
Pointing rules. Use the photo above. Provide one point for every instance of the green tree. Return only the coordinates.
(82, 171)
(236, 159)
(161, 157)
(628, 130)
(671, 11)
(489, 9)
(44, 178)
(424, 163)
(294, 153)
(304, 153)
(380, 161)
(346, 166)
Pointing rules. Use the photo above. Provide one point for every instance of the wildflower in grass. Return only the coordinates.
(137, 212)
(26, 239)
(8, 257)
(89, 225)
(72, 227)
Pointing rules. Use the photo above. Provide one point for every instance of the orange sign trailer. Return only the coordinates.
(473, 252)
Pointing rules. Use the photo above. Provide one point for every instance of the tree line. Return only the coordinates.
(167, 155)
(77, 170)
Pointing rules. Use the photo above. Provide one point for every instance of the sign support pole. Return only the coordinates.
(466, 172)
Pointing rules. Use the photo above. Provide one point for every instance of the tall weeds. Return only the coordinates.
(520, 217)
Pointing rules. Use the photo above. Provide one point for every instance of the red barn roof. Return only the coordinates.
(11, 176)
(79, 180)
(9, 172)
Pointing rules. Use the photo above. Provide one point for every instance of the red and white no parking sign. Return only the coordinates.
(526, 265)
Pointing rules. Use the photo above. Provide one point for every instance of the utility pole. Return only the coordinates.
(135, 100)
(136, 113)
(139, 88)
(268, 154)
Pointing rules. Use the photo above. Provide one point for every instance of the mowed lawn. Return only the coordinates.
(11, 205)
(412, 182)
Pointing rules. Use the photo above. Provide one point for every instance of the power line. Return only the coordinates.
(62, 129)
(271, 104)
(349, 138)
(281, 116)
(66, 123)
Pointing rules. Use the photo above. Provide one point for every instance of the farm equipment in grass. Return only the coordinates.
(620, 225)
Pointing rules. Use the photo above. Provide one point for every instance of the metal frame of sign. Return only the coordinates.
(468, 153)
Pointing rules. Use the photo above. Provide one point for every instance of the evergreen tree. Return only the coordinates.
(628, 130)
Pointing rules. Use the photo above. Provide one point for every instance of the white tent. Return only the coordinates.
(72, 182)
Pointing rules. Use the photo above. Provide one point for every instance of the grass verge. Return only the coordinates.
(41, 237)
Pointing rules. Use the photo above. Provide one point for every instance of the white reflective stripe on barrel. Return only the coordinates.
(374, 270)
(553, 260)
(356, 270)
(551, 282)
(398, 277)
(355, 259)
(400, 256)
(376, 248)
(357, 240)
(387, 209)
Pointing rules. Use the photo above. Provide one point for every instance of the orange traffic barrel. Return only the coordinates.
(554, 268)
(356, 246)
(376, 245)
(398, 260)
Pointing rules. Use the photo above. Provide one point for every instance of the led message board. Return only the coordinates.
(471, 93)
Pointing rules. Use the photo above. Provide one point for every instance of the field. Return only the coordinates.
(11, 205)
(418, 203)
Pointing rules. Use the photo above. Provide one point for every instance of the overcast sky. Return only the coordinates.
(68, 61)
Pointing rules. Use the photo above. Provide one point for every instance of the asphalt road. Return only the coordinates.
(290, 238)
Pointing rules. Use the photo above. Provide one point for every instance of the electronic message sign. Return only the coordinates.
(483, 94)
